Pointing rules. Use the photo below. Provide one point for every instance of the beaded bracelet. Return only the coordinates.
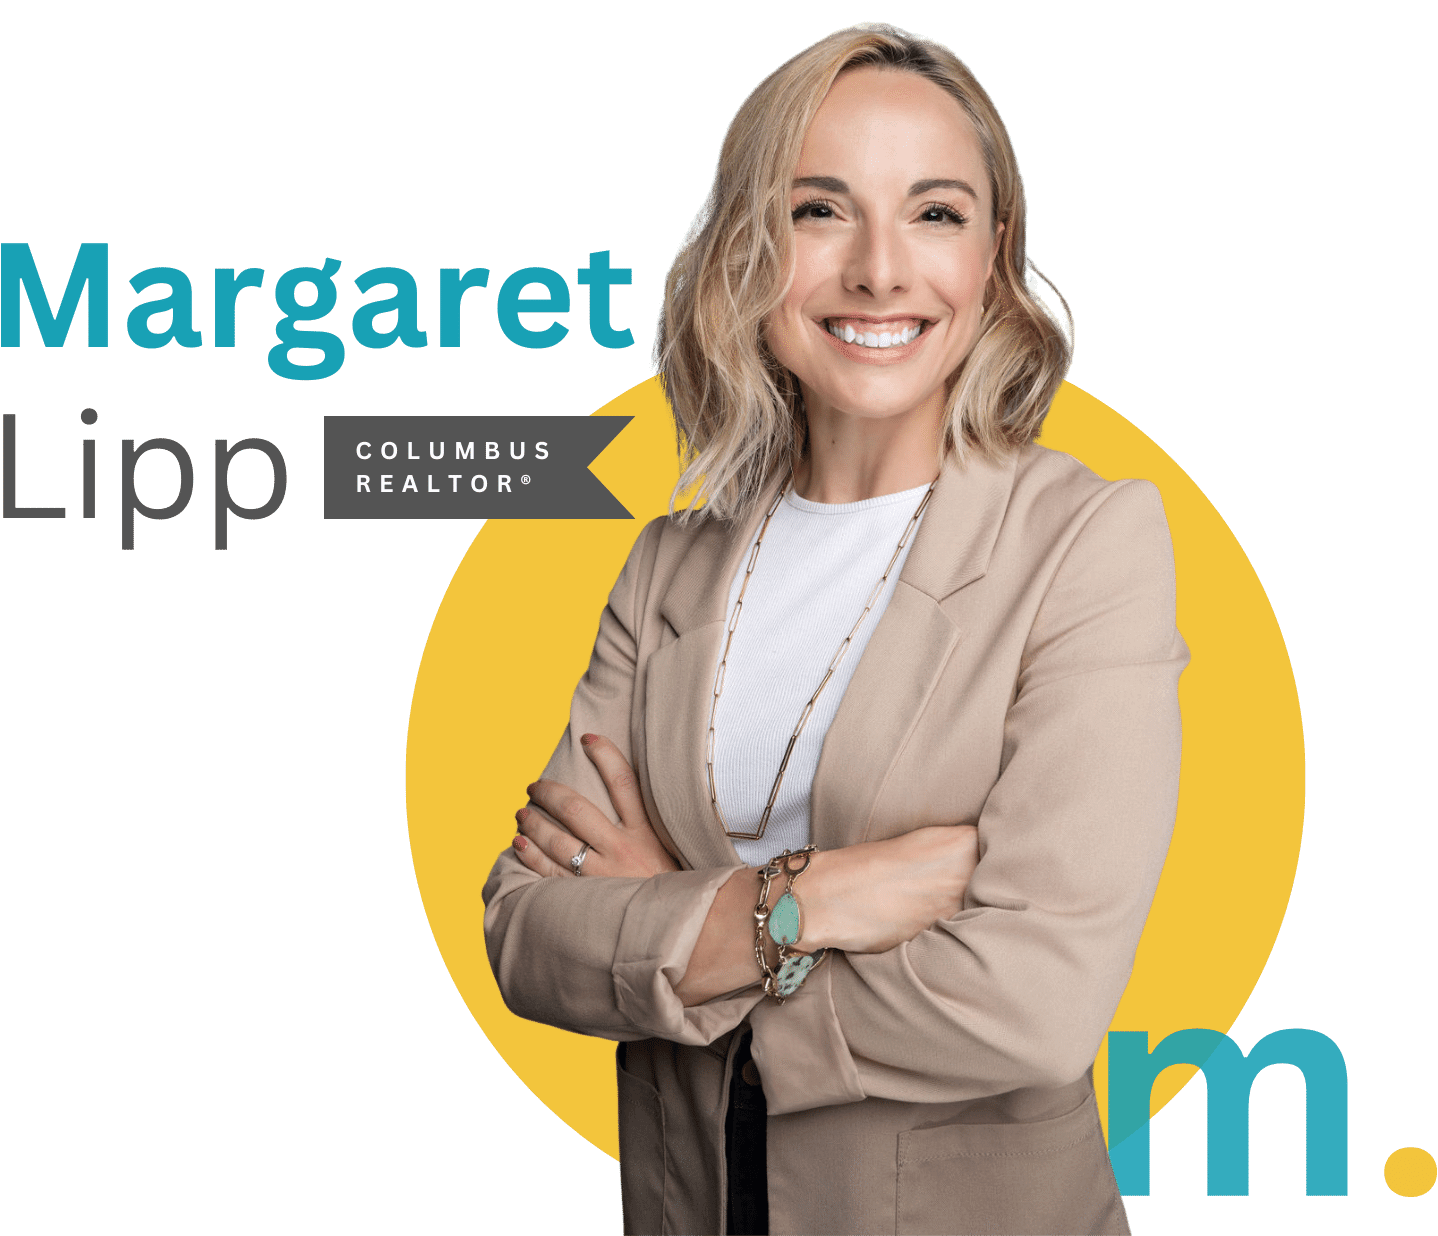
(783, 924)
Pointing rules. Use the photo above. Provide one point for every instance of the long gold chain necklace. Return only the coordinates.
(823, 682)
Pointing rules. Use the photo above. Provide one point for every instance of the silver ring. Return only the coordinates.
(576, 864)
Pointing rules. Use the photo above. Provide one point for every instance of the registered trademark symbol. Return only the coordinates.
(524, 480)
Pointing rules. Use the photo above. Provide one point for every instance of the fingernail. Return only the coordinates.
(520, 843)
(589, 739)
(522, 814)
(530, 788)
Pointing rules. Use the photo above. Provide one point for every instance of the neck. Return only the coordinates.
(852, 458)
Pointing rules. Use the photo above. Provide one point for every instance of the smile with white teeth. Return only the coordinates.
(874, 334)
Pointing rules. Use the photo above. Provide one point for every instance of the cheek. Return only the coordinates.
(964, 280)
(961, 283)
(813, 263)
(781, 333)
(818, 269)
(784, 329)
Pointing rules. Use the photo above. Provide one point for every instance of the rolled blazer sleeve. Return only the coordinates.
(1018, 989)
(601, 956)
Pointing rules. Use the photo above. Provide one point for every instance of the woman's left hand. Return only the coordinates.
(550, 837)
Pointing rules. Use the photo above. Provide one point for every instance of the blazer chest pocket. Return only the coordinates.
(1035, 1179)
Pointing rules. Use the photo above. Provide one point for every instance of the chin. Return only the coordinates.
(878, 400)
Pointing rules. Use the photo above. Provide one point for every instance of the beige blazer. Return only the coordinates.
(1024, 679)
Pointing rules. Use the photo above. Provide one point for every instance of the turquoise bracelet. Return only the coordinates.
(784, 924)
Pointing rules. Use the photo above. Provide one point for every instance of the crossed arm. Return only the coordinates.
(863, 898)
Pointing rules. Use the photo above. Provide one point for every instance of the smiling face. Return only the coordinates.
(893, 248)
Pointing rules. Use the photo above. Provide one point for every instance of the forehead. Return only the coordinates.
(884, 121)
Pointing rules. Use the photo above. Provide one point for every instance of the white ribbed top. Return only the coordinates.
(816, 569)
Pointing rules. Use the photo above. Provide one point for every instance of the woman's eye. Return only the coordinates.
(941, 214)
(813, 210)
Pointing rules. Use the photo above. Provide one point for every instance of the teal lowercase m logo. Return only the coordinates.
(1228, 1075)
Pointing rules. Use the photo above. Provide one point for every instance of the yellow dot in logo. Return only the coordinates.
(1410, 1172)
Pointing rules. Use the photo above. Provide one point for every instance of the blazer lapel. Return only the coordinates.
(680, 685)
(909, 648)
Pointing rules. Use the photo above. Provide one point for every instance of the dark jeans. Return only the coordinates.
(744, 1148)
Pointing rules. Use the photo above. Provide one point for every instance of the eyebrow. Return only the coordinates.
(928, 186)
(832, 184)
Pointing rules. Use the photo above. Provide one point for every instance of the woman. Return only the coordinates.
(858, 371)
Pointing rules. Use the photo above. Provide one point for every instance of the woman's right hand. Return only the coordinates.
(875, 896)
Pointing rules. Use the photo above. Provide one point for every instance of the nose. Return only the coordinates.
(878, 261)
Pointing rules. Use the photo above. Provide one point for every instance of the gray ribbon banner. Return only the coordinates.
(468, 467)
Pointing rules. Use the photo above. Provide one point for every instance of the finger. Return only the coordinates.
(536, 859)
(619, 778)
(557, 844)
(580, 817)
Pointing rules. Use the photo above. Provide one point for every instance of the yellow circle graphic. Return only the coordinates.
(512, 638)
(1410, 1172)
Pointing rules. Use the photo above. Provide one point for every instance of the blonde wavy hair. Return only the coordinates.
(737, 411)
